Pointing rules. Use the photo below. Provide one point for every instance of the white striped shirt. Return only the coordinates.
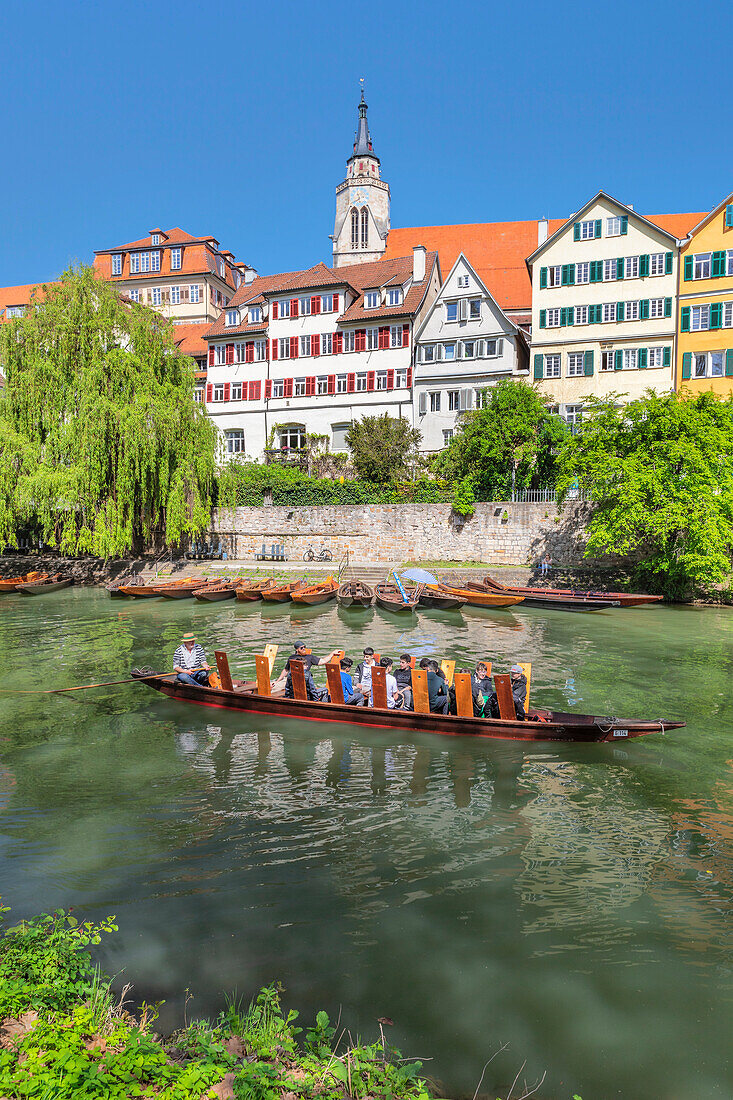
(189, 658)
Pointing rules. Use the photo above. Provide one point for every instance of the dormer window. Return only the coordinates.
(222, 269)
(176, 255)
(237, 280)
(371, 299)
(394, 296)
(255, 314)
(155, 239)
(117, 263)
(232, 317)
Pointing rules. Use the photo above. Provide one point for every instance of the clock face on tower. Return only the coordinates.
(358, 196)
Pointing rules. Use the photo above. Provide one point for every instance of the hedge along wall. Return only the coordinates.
(499, 533)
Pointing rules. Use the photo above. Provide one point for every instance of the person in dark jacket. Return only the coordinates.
(478, 698)
(519, 690)
(403, 676)
(437, 689)
(308, 660)
(481, 679)
(359, 670)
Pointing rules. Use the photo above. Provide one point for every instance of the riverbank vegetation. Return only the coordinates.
(103, 448)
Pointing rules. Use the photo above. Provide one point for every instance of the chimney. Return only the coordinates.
(419, 253)
(250, 275)
(543, 226)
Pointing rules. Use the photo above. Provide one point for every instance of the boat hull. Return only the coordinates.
(215, 594)
(557, 727)
(355, 594)
(315, 598)
(475, 598)
(572, 595)
(43, 586)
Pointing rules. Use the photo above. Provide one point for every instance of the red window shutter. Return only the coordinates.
(332, 383)
(336, 302)
(211, 355)
(274, 311)
(249, 352)
(258, 390)
(310, 386)
(268, 388)
(390, 379)
(274, 349)
(229, 354)
(370, 380)
(293, 347)
(315, 345)
(405, 336)
(209, 392)
(338, 343)
(316, 303)
(227, 391)
(409, 377)
(360, 340)
(350, 383)
(384, 336)
(288, 387)
(293, 307)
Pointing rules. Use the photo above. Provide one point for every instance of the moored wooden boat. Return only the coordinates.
(314, 594)
(184, 590)
(611, 599)
(389, 597)
(213, 593)
(252, 590)
(39, 588)
(10, 584)
(281, 593)
(437, 596)
(541, 725)
(355, 593)
(475, 596)
(141, 591)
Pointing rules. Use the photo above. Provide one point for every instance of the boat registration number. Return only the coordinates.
(620, 733)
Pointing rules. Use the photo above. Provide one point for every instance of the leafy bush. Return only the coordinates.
(245, 484)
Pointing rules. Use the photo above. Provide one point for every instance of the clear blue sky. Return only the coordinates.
(236, 119)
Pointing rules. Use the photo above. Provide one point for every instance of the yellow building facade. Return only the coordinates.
(705, 305)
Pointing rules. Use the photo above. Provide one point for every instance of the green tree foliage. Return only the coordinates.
(507, 443)
(103, 448)
(383, 448)
(660, 474)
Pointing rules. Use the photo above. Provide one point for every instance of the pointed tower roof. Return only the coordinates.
(362, 137)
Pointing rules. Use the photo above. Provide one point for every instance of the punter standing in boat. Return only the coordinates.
(309, 660)
(189, 661)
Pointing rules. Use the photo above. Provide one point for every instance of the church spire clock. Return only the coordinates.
(362, 201)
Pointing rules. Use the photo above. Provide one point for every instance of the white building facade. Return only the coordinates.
(308, 353)
(604, 292)
(465, 344)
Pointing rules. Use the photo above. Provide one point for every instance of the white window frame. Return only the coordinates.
(382, 380)
(701, 315)
(469, 349)
(552, 366)
(349, 343)
(727, 314)
(299, 387)
(134, 296)
(342, 383)
(451, 312)
(400, 378)
(449, 352)
(155, 238)
(553, 318)
(372, 339)
(176, 259)
(631, 267)
(255, 314)
(608, 362)
(117, 263)
(582, 272)
(631, 310)
(305, 347)
(572, 415)
(283, 307)
(395, 336)
(194, 293)
(218, 392)
(656, 357)
(175, 295)
(463, 281)
(220, 355)
(630, 359)
(283, 347)
(490, 349)
(278, 387)
(304, 306)
(260, 350)
(394, 296)
(326, 343)
(474, 309)
(327, 303)
(371, 299)
(554, 275)
(717, 359)
(656, 308)
(361, 381)
(588, 230)
(610, 271)
(155, 261)
(321, 385)
(454, 400)
(657, 263)
(428, 353)
(702, 265)
(234, 441)
(729, 266)
(222, 270)
(613, 225)
(232, 318)
(156, 296)
(435, 401)
(576, 364)
(609, 313)
(235, 393)
(581, 315)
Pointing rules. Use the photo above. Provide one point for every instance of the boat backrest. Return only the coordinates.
(420, 699)
(488, 667)
(270, 653)
(222, 664)
(464, 696)
(526, 667)
(335, 687)
(413, 662)
(379, 686)
(264, 668)
(504, 697)
(448, 668)
(297, 676)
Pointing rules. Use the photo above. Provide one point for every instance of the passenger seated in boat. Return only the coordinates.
(437, 689)
(519, 690)
(392, 692)
(309, 660)
(189, 661)
(353, 696)
(368, 652)
(478, 698)
(481, 679)
(403, 676)
(364, 674)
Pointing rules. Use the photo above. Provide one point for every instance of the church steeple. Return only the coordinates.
(362, 201)
(362, 140)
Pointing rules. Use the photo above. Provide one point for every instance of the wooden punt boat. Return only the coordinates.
(559, 603)
(252, 590)
(355, 594)
(316, 593)
(212, 593)
(152, 591)
(39, 588)
(541, 725)
(389, 597)
(475, 596)
(611, 599)
(10, 584)
(437, 596)
(281, 593)
(184, 590)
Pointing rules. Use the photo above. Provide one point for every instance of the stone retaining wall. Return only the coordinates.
(499, 533)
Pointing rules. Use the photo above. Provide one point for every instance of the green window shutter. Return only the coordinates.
(571, 274)
(624, 224)
(538, 367)
(543, 318)
(564, 274)
(618, 360)
(588, 363)
(685, 319)
(594, 315)
(644, 309)
(687, 365)
(729, 352)
(644, 264)
(576, 231)
(598, 228)
(668, 261)
(667, 357)
(729, 219)
(641, 358)
(620, 267)
(688, 268)
(619, 311)
(718, 265)
(563, 317)
(596, 271)
(716, 314)
(570, 315)
(667, 307)
(543, 278)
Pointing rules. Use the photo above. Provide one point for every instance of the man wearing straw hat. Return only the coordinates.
(189, 661)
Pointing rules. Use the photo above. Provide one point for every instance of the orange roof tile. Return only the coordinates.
(19, 296)
(190, 338)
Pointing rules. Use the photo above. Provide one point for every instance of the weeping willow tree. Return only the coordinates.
(103, 448)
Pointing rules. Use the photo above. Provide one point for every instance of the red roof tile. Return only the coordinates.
(20, 296)
(190, 338)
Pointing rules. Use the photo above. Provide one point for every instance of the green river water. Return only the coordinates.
(573, 902)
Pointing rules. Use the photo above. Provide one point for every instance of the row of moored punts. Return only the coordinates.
(34, 584)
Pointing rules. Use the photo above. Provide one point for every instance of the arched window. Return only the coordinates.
(364, 227)
(354, 227)
(234, 442)
(292, 437)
